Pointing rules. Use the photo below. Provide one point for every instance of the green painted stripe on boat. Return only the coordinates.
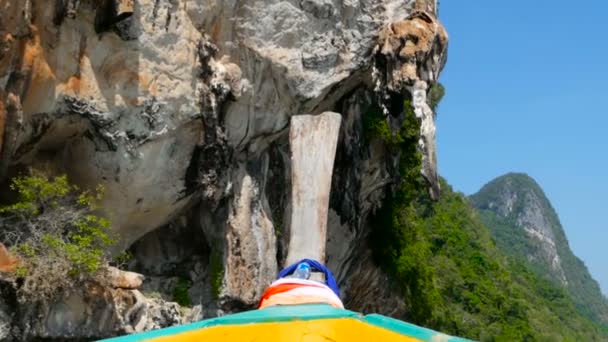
(409, 329)
(285, 313)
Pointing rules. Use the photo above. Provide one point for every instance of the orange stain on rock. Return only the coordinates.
(153, 89)
(146, 82)
(8, 38)
(43, 79)
(216, 31)
(2, 122)
(8, 263)
(10, 47)
(73, 84)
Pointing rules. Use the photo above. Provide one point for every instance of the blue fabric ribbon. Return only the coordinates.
(330, 281)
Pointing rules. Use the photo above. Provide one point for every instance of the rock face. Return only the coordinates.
(90, 313)
(250, 252)
(182, 108)
(122, 113)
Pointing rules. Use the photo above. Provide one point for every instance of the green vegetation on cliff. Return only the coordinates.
(452, 275)
(435, 95)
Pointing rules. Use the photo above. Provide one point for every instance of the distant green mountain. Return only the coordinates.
(526, 227)
(456, 280)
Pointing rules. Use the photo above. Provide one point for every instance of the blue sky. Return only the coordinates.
(526, 92)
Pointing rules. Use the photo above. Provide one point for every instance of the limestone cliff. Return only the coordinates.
(182, 110)
(528, 208)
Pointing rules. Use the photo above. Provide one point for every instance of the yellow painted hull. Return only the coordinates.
(345, 329)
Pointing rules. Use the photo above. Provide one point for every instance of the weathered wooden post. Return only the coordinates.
(313, 140)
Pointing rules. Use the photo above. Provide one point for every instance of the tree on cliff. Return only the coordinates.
(58, 240)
